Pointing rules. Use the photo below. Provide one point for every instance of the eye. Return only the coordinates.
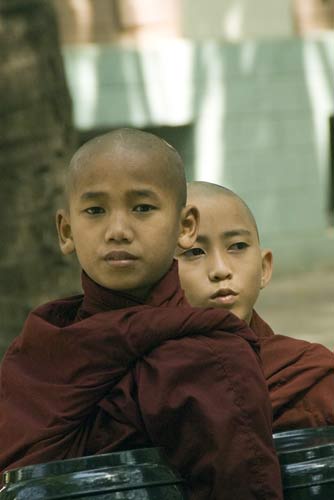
(193, 252)
(239, 245)
(144, 207)
(94, 210)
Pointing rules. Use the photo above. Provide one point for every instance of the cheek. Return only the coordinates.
(159, 230)
(189, 278)
(252, 286)
(169, 224)
(252, 271)
(82, 245)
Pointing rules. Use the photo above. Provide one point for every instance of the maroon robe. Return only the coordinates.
(66, 389)
(300, 379)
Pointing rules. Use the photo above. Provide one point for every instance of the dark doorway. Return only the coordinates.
(331, 172)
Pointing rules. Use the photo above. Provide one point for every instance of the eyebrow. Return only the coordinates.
(201, 238)
(141, 193)
(92, 195)
(237, 232)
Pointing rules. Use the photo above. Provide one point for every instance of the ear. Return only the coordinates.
(267, 266)
(65, 239)
(189, 227)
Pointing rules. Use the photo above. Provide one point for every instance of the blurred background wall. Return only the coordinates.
(37, 137)
(242, 88)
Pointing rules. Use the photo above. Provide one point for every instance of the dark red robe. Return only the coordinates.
(66, 389)
(300, 379)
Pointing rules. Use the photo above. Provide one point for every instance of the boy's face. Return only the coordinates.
(123, 222)
(225, 267)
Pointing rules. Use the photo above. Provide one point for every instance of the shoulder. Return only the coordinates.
(215, 356)
(283, 345)
(58, 312)
(288, 358)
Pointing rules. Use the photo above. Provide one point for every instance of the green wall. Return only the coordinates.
(253, 116)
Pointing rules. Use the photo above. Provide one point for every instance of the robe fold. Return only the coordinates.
(300, 379)
(80, 380)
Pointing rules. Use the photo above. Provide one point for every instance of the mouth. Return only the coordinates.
(120, 258)
(224, 296)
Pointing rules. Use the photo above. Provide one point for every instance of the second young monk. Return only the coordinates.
(226, 268)
(66, 389)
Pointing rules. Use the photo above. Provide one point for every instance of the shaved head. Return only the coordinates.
(207, 189)
(129, 141)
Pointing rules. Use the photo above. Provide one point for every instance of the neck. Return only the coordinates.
(100, 299)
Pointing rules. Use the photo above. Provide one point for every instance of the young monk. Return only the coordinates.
(66, 390)
(226, 269)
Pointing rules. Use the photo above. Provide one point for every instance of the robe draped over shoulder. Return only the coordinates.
(300, 379)
(102, 372)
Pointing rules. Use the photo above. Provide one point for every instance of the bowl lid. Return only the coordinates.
(306, 456)
(301, 445)
(138, 456)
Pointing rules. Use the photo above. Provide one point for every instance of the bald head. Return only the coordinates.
(126, 141)
(201, 189)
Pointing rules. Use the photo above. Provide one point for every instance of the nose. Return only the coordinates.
(219, 268)
(118, 229)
